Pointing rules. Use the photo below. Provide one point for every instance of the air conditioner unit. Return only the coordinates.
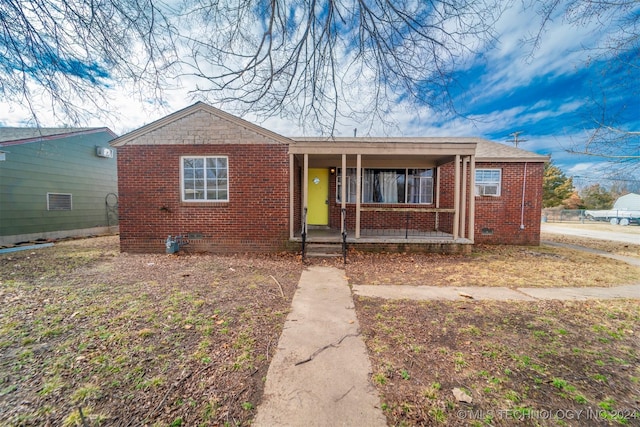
(104, 152)
(489, 190)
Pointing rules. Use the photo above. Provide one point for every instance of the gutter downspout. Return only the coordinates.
(524, 189)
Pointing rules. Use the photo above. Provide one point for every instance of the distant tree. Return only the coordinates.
(618, 189)
(556, 187)
(574, 201)
(597, 197)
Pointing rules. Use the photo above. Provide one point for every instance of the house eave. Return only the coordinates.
(64, 133)
(530, 159)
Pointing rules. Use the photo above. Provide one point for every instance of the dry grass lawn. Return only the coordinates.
(546, 363)
(90, 336)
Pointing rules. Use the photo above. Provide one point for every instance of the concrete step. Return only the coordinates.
(324, 250)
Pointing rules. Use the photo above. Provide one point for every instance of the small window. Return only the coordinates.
(351, 185)
(58, 202)
(488, 182)
(420, 186)
(205, 179)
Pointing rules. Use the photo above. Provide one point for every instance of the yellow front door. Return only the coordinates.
(318, 203)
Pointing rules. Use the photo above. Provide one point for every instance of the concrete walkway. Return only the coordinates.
(629, 260)
(499, 294)
(320, 373)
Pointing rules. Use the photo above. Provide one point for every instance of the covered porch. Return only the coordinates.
(396, 191)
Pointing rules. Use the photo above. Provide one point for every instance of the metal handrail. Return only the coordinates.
(304, 233)
(344, 234)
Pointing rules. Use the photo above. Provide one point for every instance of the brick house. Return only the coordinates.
(228, 185)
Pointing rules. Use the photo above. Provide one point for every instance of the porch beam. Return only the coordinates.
(432, 210)
(385, 148)
(472, 199)
(456, 197)
(358, 193)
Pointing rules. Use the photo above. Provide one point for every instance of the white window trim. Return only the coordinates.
(489, 188)
(49, 208)
(182, 189)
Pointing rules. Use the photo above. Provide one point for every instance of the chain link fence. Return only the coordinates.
(563, 215)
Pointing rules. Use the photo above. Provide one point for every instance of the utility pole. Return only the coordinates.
(515, 139)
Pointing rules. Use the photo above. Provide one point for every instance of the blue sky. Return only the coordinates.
(504, 88)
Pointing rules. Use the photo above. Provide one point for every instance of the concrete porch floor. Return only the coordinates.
(332, 235)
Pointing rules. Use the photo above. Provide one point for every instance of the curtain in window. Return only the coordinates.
(368, 186)
(388, 187)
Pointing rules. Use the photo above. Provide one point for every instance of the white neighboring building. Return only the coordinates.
(628, 202)
(626, 210)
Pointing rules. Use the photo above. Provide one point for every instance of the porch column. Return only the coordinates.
(305, 188)
(456, 197)
(291, 198)
(343, 191)
(472, 198)
(437, 225)
(463, 198)
(358, 192)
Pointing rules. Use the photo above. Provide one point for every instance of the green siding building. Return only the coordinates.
(56, 182)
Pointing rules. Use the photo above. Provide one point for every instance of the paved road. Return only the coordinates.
(592, 234)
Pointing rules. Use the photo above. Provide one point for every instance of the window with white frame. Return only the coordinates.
(420, 186)
(205, 178)
(351, 181)
(412, 186)
(488, 182)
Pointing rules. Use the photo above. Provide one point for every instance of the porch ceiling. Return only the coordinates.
(383, 152)
(390, 146)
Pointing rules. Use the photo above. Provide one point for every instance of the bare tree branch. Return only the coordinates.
(73, 50)
(608, 125)
(309, 60)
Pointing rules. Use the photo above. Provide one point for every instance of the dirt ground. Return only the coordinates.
(90, 336)
(535, 364)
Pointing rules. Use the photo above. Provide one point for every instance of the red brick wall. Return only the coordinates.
(256, 217)
(498, 219)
